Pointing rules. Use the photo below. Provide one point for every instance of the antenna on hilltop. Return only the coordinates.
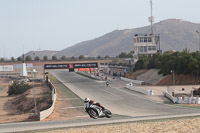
(151, 19)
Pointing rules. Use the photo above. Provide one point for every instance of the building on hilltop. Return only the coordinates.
(145, 45)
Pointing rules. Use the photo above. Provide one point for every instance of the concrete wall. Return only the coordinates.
(170, 97)
(89, 75)
(133, 81)
(138, 89)
(45, 113)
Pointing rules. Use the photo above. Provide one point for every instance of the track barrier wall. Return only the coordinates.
(170, 97)
(89, 75)
(133, 81)
(45, 113)
(138, 89)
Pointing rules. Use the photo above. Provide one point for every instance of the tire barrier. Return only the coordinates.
(186, 100)
(179, 100)
(194, 100)
(198, 100)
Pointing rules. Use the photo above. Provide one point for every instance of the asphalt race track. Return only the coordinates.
(119, 101)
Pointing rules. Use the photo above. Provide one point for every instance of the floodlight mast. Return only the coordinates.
(151, 19)
(198, 32)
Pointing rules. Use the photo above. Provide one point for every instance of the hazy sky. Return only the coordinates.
(57, 24)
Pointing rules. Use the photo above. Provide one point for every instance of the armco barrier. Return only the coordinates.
(141, 90)
(133, 81)
(44, 114)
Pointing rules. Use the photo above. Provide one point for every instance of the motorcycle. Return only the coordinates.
(98, 111)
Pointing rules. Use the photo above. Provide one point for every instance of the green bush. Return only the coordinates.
(179, 62)
(18, 88)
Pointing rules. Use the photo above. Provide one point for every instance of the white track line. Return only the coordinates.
(135, 95)
(65, 99)
(111, 93)
(73, 107)
(82, 116)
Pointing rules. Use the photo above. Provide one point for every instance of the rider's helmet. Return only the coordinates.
(87, 100)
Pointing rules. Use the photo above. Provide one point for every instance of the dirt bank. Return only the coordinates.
(16, 108)
(180, 79)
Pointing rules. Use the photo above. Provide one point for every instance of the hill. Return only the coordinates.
(41, 54)
(175, 34)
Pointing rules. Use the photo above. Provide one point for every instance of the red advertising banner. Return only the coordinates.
(71, 66)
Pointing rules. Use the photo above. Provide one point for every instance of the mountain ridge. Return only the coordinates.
(175, 34)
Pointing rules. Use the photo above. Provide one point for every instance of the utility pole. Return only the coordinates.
(173, 80)
(4, 57)
(36, 113)
(199, 38)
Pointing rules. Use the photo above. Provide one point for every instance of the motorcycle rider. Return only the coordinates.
(98, 108)
(107, 83)
(88, 102)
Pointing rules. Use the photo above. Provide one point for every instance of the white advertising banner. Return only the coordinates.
(29, 65)
(6, 68)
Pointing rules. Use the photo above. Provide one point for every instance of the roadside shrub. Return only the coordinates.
(18, 88)
(141, 64)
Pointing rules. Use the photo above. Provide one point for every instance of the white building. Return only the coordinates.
(145, 45)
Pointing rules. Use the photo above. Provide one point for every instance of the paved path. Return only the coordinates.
(118, 100)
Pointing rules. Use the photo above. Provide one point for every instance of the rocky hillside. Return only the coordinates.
(41, 54)
(175, 34)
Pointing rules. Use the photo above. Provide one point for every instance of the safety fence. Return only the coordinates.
(45, 113)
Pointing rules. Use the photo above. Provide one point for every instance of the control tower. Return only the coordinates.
(146, 44)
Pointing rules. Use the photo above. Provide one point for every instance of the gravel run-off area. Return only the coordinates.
(178, 125)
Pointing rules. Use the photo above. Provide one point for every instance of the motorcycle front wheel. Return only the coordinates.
(108, 113)
(93, 113)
